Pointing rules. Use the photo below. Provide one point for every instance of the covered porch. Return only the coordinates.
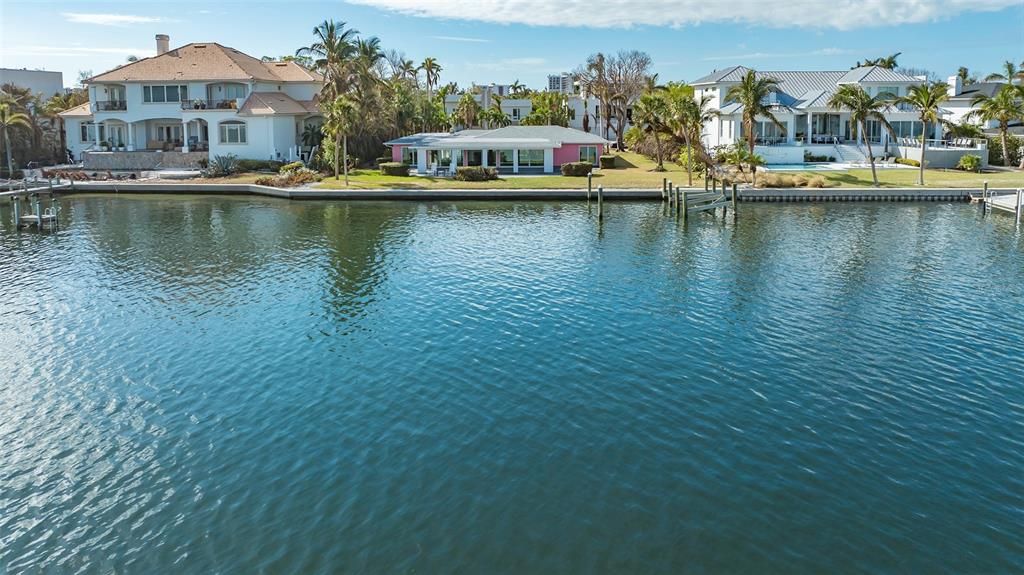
(442, 161)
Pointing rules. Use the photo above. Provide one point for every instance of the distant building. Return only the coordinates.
(39, 81)
(961, 100)
(560, 83)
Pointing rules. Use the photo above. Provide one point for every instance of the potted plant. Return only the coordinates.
(196, 104)
(104, 145)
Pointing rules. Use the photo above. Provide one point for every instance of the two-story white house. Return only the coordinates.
(197, 101)
(809, 124)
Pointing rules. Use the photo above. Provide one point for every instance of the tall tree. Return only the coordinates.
(651, 113)
(1004, 107)
(468, 110)
(11, 119)
(752, 94)
(62, 103)
(431, 72)
(332, 52)
(339, 118)
(688, 116)
(862, 108)
(927, 99)
(1009, 73)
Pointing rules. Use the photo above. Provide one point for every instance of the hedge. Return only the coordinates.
(607, 162)
(475, 174)
(969, 163)
(908, 162)
(576, 168)
(394, 169)
(383, 160)
(259, 165)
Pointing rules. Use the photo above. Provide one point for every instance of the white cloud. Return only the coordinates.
(777, 55)
(108, 19)
(838, 14)
(459, 39)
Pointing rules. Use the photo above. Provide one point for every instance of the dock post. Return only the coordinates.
(600, 203)
(682, 203)
(707, 174)
(664, 189)
(668, 192)
(1020, 205)
(17, 212)
(734, 197)
(590, 178)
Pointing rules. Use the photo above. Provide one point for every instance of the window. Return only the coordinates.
(232, 133)
(234, 91)
(88, 132)
(515, 113)
(505, 157)
(531, 157)
(890, 90)
(161, 94)
(408, 155)
(588, 154)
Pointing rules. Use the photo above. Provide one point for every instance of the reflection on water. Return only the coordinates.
(247, 385)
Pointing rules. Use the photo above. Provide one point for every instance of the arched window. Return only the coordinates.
(232, 132)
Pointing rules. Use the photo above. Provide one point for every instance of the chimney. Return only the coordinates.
(956, 86)
(162, 43)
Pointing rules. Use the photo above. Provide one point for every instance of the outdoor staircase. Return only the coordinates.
(850, 154)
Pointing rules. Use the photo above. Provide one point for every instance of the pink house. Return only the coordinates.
(513, 149)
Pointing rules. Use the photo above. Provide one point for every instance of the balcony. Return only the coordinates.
(231, 104)
(111, 106)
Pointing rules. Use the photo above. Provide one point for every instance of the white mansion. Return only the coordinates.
(190, 103)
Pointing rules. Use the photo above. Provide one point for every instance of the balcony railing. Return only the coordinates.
(231, 104)
(111, 106)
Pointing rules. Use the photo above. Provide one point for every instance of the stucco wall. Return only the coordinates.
(939, 158)
(396, 153)
(570, 153)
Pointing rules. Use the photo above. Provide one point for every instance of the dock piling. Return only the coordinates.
(664, 189)
(590, 178)
(734, 198)
(682, 202)
(600, 203)
(1019, 207)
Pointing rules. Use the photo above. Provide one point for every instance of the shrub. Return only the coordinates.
(799, 180)
(223, 166)
(817, 182)
(475, 174)
(908, 162)
(809, 157)
(394, 169)
(291, 167)
(969, 163)
(258, 165)
(576, 168)
(995, 149)
(383, 160)
(290, 179)
(607, 162)
(696, 165)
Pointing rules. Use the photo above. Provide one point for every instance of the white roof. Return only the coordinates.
(509, 137)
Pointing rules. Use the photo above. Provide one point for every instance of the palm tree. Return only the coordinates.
(331, 52)
(339, 118)
(467, 111)
(687, 117)
(432, 72)
(1009, 73)
(1003, 108)
(888, 62)
(407, 69)
(862, 107)
(927, 98)
(11, 119)
(516, 89)
(752, 94)
(651, 113)
(62, 103)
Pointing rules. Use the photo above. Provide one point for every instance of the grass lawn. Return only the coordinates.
(635, 173)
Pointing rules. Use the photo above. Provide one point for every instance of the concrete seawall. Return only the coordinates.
(747, 195)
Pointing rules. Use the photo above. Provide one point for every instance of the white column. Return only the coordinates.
(483, 158)
(549, 160)
(131, 136)
(810, 126)
(453, 162)
(938, 131)
(421, 161)
(184, 136)
(790, 130)
(96, 125)
(515, 161)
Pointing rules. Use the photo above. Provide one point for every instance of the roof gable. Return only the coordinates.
(206, 61)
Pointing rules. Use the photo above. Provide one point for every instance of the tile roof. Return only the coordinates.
(271, 103)
(81, 110)
(206, 61)
(518, 136)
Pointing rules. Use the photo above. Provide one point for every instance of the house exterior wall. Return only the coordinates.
(396, 153)
(38, 81)
(570, 153)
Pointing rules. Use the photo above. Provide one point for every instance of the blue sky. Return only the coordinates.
(504, 40)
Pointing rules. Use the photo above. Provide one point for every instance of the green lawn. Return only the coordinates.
(636, 171)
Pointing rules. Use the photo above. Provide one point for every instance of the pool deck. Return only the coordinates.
(745, 195)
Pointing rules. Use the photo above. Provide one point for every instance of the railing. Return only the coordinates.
(111, 106)
(231, 104)
(956, 143)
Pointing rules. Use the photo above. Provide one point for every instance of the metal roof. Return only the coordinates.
(875, 74)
